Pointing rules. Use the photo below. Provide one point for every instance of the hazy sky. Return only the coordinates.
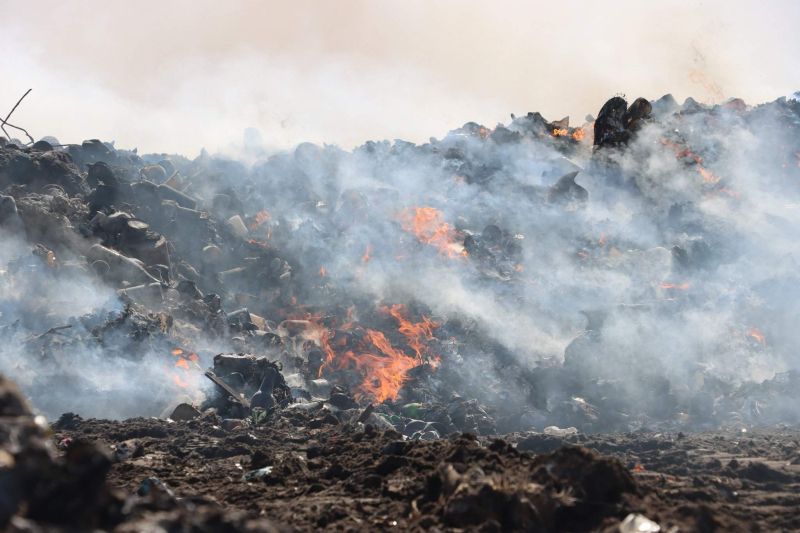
(177, 76)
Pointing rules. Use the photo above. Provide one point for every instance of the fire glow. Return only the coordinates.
(382, 366)
(685, 151)
(681, 287)
(757, 335)
(428, 224)
(260, 218)
(183, 364)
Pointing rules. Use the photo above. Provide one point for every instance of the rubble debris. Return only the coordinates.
(263, 397)
(393, 331)
(184, 412)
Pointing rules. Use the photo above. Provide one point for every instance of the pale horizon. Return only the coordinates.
(181, 76)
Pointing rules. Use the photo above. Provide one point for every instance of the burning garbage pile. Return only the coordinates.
(505, 279)
(636, 272)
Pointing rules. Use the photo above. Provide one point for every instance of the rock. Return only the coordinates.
(184, 412)
(38, 169)
(566, 191)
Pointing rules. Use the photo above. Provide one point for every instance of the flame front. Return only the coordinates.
(382, 366)
(366, 256)
(385, 376)
(429, 226)
(757, 335)
(182, 365)
(414, 332)
(685, 151)
(260, 218)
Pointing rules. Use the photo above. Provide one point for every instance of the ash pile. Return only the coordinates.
(636, 272)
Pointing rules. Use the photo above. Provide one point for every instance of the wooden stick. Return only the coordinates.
(224, 386)
(9, 116)
(17, 127)
(51, 330)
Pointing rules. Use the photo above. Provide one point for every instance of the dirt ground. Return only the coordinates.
(330, 476)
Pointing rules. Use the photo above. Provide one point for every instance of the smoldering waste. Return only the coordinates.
(404, 303)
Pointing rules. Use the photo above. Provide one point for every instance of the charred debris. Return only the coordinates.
(398, 303)
(218, 289)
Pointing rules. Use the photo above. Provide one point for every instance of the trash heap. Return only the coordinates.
(525, 277)
(635, 273)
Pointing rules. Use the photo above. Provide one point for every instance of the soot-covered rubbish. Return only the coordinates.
(633, 273)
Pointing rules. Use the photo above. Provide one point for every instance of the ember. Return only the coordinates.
(757, 335)
(428, 225)
(260, 218)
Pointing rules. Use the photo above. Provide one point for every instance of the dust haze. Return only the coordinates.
(179, 76)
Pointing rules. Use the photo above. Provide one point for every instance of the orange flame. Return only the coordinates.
(253, 241)
(178, 381)
(684, 151)
(483, 133)
(579, 134)
(681, 287)
(321, 272)
(182, 363)
(260, 218)
(193, 357)
(518, 268)
(367, 257)
(757, 335)
(384, 373)
(602, 239)
(430, 228)
(560, 132)
(414, 332)
(177, 352)
(708, 177)
(385, 376)
(733, 194)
